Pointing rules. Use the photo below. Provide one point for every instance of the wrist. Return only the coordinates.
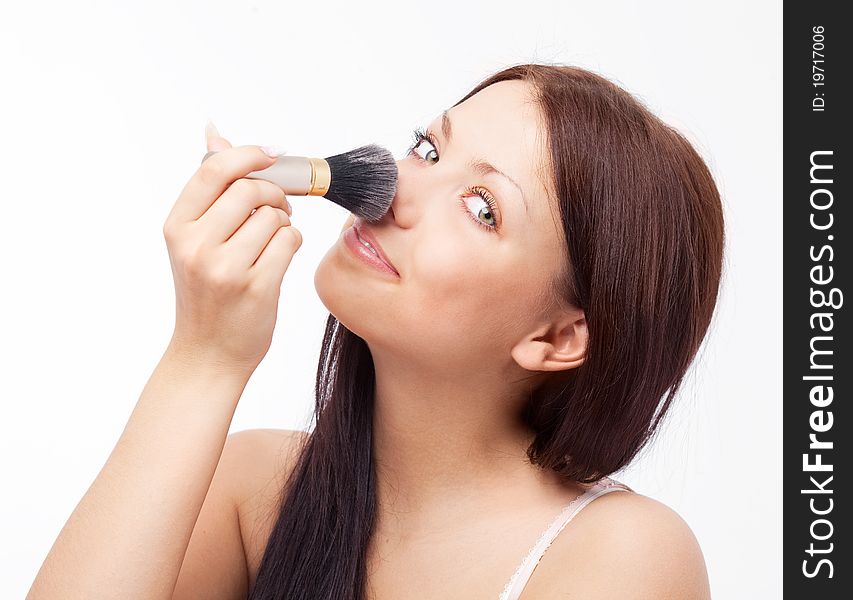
(206, 359)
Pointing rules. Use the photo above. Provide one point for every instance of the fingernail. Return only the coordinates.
(210, 130)
(289, 207)
(273, 151)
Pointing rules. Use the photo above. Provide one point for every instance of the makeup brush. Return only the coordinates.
(363, 180)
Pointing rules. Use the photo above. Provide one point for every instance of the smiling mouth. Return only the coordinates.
(370, 247)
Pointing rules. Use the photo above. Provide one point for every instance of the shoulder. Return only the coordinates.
(253, 457)
(629, 546)
(259, 461)
(220, 557)
(259, 458)
(262, 445)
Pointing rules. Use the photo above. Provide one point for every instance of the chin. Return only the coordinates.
(341, 294)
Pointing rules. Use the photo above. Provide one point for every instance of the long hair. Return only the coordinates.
(644, 236)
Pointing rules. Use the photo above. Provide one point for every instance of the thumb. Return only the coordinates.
(215, 142)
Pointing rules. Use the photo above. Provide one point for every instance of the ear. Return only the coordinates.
(558, 345)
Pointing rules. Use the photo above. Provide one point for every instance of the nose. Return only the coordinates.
(404, 206)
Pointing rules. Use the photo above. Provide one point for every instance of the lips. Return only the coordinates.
(364, 233)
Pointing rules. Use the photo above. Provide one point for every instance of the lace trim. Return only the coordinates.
(602, 484)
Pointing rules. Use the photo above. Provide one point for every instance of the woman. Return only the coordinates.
(552, 261)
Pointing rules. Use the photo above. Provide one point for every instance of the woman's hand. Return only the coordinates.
(230, 242)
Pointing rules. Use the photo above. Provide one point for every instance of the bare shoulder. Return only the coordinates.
(216, 563)
(257, 458)
(261, 459)
(264, 449)
(629, 546)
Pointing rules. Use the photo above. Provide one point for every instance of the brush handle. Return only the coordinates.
(296, 175)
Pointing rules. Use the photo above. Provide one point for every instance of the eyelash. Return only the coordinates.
(419, 136)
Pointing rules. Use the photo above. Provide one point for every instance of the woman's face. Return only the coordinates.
(473, 278)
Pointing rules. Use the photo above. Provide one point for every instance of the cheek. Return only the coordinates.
(463, 287)
(489, 292)
(447, 266)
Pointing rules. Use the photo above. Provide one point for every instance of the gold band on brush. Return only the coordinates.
(321, 177)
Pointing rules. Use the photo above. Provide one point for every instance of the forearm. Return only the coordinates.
(128, 534)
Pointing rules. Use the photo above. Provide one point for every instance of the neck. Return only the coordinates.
(451, 441)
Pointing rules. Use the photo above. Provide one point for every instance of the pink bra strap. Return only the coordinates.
(519, 579)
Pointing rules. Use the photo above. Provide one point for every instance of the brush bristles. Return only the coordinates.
(364, 181)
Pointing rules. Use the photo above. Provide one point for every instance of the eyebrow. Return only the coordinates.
(479, 165)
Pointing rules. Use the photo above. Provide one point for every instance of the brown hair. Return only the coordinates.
(643, 225)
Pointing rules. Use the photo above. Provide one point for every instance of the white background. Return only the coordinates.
(102, 120)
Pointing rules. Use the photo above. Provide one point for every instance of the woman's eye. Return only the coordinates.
(480, 208)
(425, 154)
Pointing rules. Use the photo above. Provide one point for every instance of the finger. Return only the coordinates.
(215, 142)
(213, 177)
(273, 262)
(236, 204)
(248, 242)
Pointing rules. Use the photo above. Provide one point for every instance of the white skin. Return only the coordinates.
(470, 326)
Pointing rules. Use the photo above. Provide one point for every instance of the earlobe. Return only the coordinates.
(556, 346)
